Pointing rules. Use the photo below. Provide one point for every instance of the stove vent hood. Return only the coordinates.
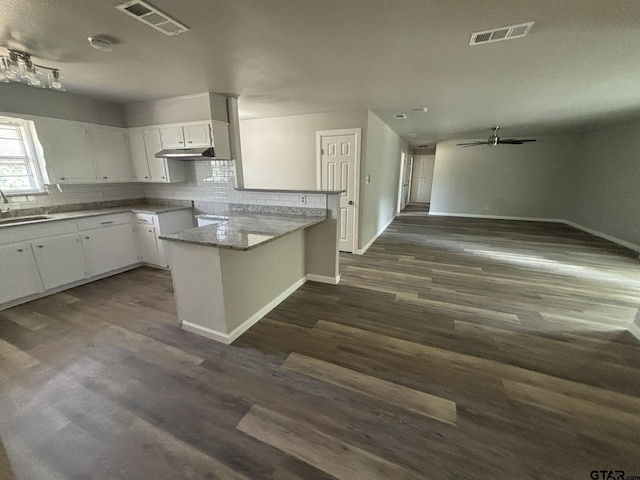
(202, 153)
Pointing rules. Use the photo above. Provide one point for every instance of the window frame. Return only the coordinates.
(33, 156)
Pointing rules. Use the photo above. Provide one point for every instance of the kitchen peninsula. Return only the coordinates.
(229, 274)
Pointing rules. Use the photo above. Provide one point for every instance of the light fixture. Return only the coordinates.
(17, 67)
(413, 135)
(420, 109)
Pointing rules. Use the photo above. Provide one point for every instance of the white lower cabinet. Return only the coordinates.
(19, 276)
(109, 248)
(150, 226)
(59, 259)
(148, 243)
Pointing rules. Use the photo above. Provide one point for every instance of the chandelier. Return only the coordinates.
(17, 67)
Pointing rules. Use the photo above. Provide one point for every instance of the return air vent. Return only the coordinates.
(399, 116)
(152, 17)
(502, 33)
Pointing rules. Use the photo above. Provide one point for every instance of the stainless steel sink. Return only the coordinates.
(34, 218)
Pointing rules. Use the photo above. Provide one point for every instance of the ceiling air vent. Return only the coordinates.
(502, 33)
(152, 17)
(399, 116)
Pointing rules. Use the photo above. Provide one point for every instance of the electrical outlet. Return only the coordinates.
(303, 199)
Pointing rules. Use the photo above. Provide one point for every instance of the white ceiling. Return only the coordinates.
(578, 68)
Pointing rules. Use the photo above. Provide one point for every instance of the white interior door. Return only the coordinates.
(422, 179)
(338, 172)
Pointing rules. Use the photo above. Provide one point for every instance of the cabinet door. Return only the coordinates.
(110, 248)
(172, 137)
(157, 166)
(148, 244)
(68, 152)
(111, 154)
(138, 154)
(19, 276)
(198, 135)
(59, 259)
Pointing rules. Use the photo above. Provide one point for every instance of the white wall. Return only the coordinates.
(379, 198)
(21, 99)
(526, 180)
(280, 152)
(605, 183)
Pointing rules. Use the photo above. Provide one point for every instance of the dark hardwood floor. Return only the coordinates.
(455, 348)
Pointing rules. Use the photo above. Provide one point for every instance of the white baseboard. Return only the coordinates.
(635, 330)
(323, 279)
(497, 217)
(611, 238)
(67, 286)
(362, 250)
(228, 338)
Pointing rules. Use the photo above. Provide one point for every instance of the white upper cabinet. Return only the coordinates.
(143, 145)
(198, 135)
(172, 137)
(138, 154)
(186, 136)
(111, 154)
(68, 151)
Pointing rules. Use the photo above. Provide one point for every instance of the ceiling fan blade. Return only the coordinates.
(514, 141)
(472, 144)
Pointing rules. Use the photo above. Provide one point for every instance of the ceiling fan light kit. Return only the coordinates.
(494, 140)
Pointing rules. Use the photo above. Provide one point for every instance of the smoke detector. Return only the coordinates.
(101, 43)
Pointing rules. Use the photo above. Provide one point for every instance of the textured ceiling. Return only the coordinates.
(577, 69)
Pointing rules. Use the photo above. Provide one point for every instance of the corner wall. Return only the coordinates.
(519, 181)
(605, 179)
(280, 152)
(21, 99)
(379, 198)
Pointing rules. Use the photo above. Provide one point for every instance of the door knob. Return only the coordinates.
(350, 202)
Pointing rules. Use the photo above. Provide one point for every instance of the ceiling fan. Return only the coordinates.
(495, 140)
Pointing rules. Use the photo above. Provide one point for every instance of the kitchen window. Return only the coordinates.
(19, 167)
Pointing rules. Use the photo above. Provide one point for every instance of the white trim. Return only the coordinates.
(497, 217)
(634, 330)
(357, 132)
(323, 279)
(67, 286)
(591, 231)
(228, 338)
(362, 250)
(611, 238)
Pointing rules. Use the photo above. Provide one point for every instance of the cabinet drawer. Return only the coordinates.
(146, 218)
(19, 233)
(105, 221)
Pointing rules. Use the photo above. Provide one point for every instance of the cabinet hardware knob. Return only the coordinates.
(189, 141)
(163, 178)
(40, 246)
(150, 231)
(350, 202)
(104, 178)
(106, 223)
(87, 238)
(63, 178)
(20, 250)
(146, 177)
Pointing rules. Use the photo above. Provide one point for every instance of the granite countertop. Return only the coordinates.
(244, 231)
(52, 217)
(275, 190)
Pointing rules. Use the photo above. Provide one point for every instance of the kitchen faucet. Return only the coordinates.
(3, 197)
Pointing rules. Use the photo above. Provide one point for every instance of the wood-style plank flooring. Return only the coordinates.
(455, 348)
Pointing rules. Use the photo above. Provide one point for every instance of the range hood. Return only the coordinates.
(201, 153)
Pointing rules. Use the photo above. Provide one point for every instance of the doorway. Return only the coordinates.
(404, 189)
(422, 178)
(338, 154)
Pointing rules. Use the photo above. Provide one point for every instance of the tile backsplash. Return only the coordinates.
(210, 185)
